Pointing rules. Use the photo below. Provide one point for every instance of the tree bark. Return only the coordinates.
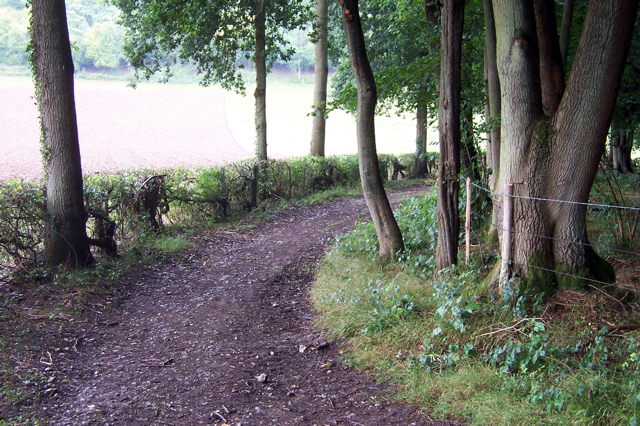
(66, 239)
(551, 72)
(389, 235)
(565, 31)
(260, 93)
(422, 166)
(449, 128)
(556, 157)
(318, 130)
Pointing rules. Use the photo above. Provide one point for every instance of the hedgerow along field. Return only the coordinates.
(178, 125)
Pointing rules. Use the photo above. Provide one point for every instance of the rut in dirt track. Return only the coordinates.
(216, 338)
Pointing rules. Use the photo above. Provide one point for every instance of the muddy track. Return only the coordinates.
(223, 336)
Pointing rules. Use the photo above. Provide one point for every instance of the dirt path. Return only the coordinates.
(223, 336)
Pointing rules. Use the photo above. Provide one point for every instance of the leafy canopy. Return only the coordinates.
(214, 35)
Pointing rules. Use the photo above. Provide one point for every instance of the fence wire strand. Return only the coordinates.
(500, 229)
(634, 209)
(576, 276)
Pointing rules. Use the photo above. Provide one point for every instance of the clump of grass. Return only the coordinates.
(171, 244)
(460, 351)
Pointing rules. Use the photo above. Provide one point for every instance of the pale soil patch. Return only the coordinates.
(153, 126)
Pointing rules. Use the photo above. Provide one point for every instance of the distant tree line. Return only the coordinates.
(97, 38)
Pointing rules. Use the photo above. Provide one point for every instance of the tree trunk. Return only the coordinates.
(66, 239)
(261, 82)
(556, 157)
(320, 82)
(565, 31)
(551, 72)
(389, 236)
(494, 97)
(614, 151)
(449, 128)
(421, 165)
(621, 147)
(626, 152)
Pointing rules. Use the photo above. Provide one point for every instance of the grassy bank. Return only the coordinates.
(459, 351)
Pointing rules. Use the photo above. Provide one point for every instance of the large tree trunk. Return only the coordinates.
(389, 236)
(66, 239)
(320, 82)
(422, 166)
(449, 128)
(261, 82)
(555, 155)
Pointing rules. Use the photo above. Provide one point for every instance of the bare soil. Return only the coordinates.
(154, 126)
(223, 335)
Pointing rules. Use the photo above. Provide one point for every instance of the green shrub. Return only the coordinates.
(22, 214)
(124, 208)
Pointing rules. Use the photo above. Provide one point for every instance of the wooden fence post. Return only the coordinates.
(507, 225)
(467, 223)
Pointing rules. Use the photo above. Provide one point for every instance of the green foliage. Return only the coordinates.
(419, 227)
(461, 350)
(358, 298)
(103, 43)
(303, 59)
(618, 191)
(172, 244)
(22, 214)
(14, 36)
(417, 222)
(133, 208)
(399, 40)
(217, 36)
(95, 37)
(626, 115)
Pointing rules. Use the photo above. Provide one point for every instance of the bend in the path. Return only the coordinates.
(225, 336)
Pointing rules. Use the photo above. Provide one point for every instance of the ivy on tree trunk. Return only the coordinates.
(66, 239)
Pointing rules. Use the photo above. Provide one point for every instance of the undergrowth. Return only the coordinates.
(127, 210)
(460, 351)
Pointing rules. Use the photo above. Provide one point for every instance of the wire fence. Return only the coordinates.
(509, 231)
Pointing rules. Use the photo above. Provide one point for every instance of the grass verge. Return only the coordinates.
(460, 352)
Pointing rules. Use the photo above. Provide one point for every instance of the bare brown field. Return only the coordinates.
(122, 128)
(164, 126)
